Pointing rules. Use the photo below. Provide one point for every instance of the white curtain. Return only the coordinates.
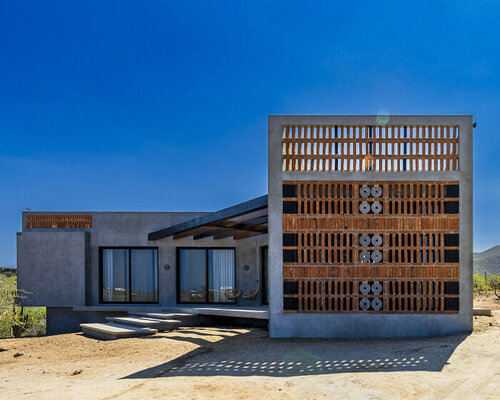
(107, 275)
(193, 263)
(115, 279)
(222, 273)
(144, 275)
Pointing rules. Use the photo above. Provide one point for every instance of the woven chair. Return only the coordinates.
(251, 294)
(232, 294)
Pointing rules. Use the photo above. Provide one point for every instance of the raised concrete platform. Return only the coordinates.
(120, 308)
(481, 311)
(252, 313)
(155, 315)
(160, 324)
(110, 331)
(259, 312)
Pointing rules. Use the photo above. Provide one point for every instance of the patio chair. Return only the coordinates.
(232, 294)
(251, 294)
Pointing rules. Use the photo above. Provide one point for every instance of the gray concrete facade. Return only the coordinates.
(60, 268)
(368, 325)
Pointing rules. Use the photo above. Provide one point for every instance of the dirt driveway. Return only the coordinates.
(220, 363)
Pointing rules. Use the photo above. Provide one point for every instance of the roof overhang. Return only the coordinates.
(239, 222)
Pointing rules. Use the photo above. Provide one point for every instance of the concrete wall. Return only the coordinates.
(363, 325)
(51, 267)
(57, 268)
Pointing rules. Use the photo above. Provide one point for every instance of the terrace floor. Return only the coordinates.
(230, 310)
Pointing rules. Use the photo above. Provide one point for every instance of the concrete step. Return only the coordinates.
(160, 315)
(160, 324)
(481, 311)
(110, 331)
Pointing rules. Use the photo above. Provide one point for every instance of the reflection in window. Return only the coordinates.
(205, 274)
(129, 275)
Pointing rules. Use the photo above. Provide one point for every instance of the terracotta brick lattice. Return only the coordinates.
(346, 244)
(370, 148)
(59, 221)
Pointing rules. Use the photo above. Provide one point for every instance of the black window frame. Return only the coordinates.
(178, 275)
(101, 267)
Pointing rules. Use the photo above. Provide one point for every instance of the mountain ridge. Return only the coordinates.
(487, 261)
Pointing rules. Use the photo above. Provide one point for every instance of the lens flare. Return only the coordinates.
(383, 118)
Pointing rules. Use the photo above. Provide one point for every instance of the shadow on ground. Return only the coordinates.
(253, 354)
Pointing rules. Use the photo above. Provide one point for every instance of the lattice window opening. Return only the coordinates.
(376, 257)
(394, 296)
(59, 221)
(426, 240)
(418, 199)
(370, 148)
(351, 304)
(406, 190)
(383, 207)
(418, 287)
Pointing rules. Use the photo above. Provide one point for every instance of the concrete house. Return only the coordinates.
(366, 232)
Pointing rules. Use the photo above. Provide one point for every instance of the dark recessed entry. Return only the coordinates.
(290, 287)
(290, 239)
(451, 303)
(289, 190)
(451, 256)
(451, 239)
(290, 256)
(451, 207)
(290, 207)
(451, 287)
(451, 191)
(290, 303)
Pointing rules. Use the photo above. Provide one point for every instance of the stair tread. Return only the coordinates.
(142, 321)
(159, 315)
(116, 329)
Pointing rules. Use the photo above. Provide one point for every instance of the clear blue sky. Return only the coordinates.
(162, 106)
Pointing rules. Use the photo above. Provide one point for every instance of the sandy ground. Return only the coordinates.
(224, 363)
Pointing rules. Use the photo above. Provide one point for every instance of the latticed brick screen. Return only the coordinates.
(59, 221)
(351, 247)
(370, 148)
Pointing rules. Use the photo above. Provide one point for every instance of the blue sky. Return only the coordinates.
(162, 105)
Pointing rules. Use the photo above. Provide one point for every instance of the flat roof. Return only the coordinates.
(239, 222)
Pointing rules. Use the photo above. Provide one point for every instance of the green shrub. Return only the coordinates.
(483, 283)
(14, 320)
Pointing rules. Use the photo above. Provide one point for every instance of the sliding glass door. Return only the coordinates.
(205, 274)
(192, 276)
(129, 275)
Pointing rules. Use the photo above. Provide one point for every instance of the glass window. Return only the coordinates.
(192, 279)
(130, 275)
(115, 269)
(205, 274)
(144, 274)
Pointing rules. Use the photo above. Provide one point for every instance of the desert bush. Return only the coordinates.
(483, 283)
(494, 283)
(17, 320)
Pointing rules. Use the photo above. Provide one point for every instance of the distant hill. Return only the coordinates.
(488, 261)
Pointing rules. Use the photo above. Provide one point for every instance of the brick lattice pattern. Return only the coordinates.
(370, 148)
(346, 244)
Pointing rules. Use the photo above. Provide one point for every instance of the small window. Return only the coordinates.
(204, 275)
(129, 275)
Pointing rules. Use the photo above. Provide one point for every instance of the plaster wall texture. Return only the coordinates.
(363, 325)
(51, 267)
